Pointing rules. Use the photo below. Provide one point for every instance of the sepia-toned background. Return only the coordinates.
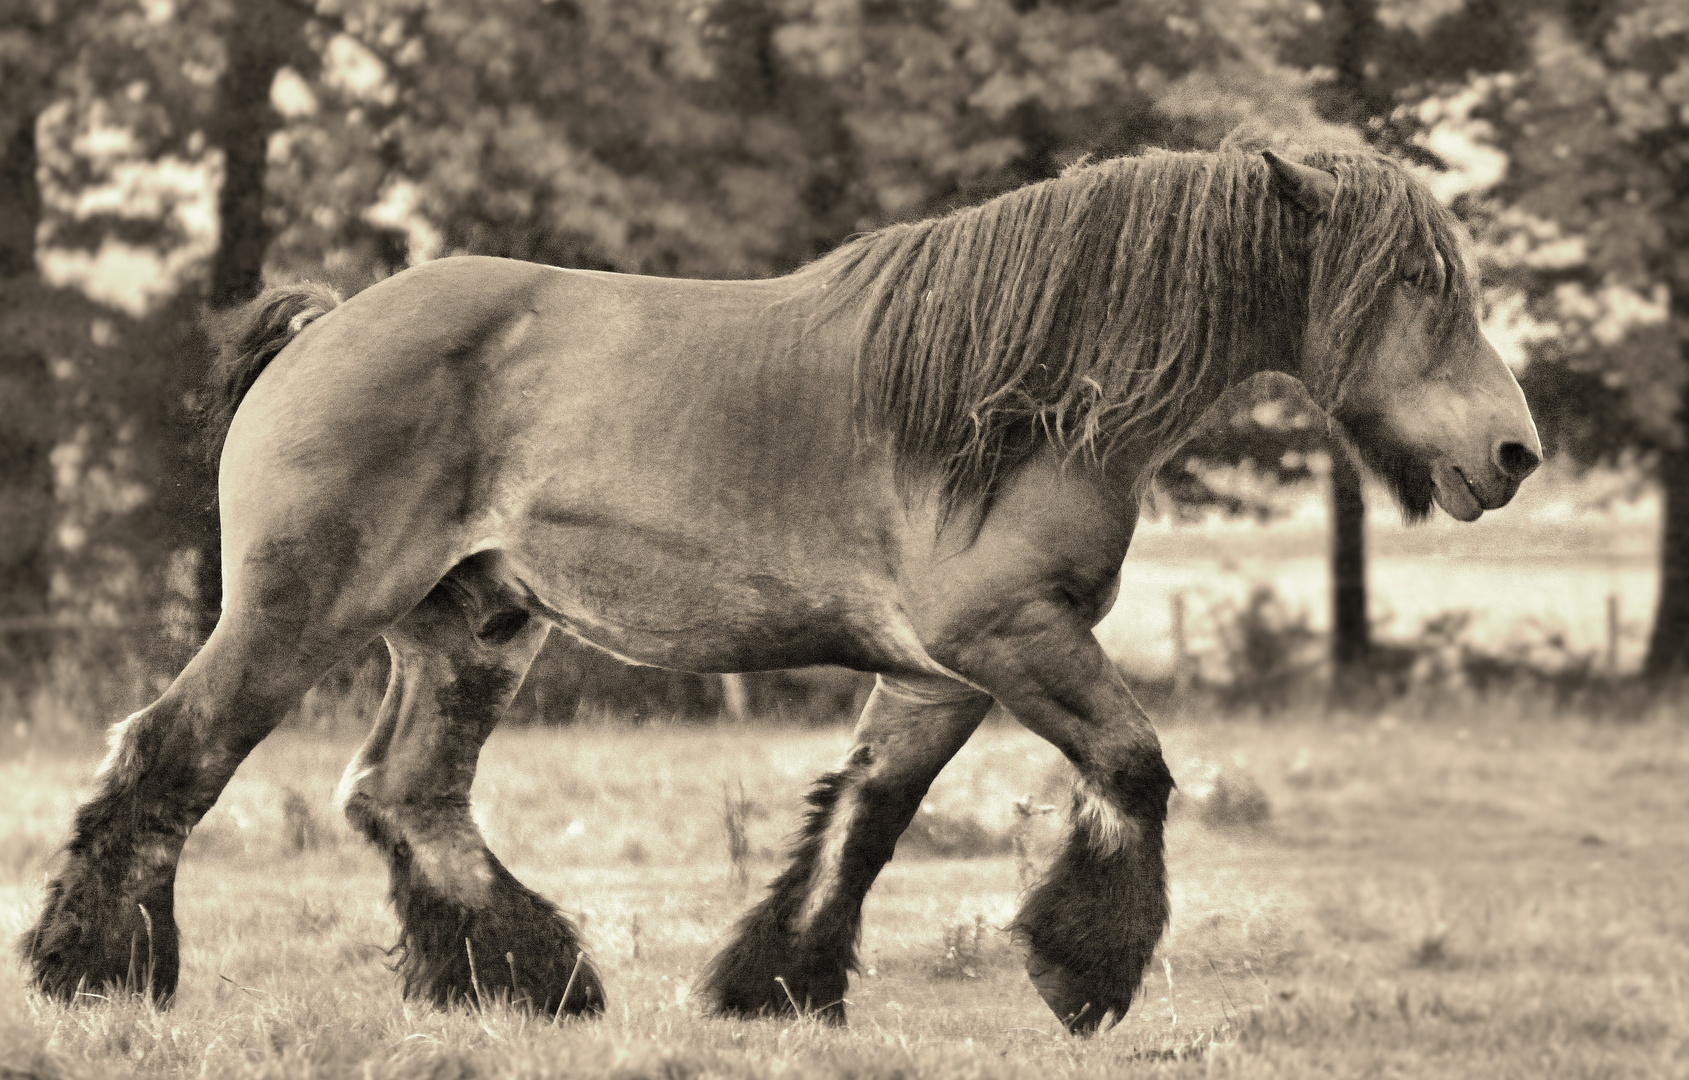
(1433, 779)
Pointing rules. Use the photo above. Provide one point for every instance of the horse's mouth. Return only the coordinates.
(1454, 493)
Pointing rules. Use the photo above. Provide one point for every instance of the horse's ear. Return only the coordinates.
(1310, 188)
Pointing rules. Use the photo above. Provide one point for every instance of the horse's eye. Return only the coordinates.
(1430, 274)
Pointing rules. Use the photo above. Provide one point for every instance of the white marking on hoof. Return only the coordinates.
(350, 780)
(824, 880)
(1108, 830)
(452, 856)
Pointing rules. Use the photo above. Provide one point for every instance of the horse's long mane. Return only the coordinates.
(1113, 303)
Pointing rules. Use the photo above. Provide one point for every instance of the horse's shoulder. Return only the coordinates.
(1053, 532)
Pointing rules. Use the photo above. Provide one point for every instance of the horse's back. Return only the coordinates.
(522, 367)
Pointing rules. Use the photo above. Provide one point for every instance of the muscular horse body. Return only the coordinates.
(694, 475)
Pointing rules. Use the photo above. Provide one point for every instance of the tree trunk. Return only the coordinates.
(1354, 97)
(1358, 97)
(1668, 645)
(27, 411)
(1351, 633)
(20, 202)
(262, 37)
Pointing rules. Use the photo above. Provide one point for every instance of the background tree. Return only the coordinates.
(26, 428)
(1591, 223)
(948, 104)
(38, 325)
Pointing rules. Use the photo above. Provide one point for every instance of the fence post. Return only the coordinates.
(734, 698)
(1181, 649)
(1613, 633)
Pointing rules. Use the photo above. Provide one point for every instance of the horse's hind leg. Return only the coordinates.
(470, 930)
(108, 918)
(799, 945)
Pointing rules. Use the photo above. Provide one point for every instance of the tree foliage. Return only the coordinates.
(211, 141)
(1591, 223)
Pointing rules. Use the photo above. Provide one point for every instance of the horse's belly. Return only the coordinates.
(723, 611)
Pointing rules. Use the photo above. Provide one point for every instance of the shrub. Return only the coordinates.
(299, 824)
(1221, 796)
(736, 812)
(937, 835)
(969, 949)
(1265, 649)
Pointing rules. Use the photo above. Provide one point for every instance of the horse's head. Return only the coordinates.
(1438, 416)
(1393, 348)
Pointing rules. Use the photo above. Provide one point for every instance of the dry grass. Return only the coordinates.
(1492, 897)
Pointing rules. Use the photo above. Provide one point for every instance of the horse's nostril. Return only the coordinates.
(1516, 460)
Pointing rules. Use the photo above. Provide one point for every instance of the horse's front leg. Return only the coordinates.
(1093, 922)
(798, 946)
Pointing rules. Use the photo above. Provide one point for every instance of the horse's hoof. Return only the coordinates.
(561, 989)
(777, 1005)
(1077, 1003)
(766, 971)
(751, 993)
(581, 995)
(512, 946)
(77, 953)
(757, 977)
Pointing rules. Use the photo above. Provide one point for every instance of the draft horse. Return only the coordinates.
(920, 456)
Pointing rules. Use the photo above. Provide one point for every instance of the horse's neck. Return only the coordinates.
(1270, 342)
(1267, 347)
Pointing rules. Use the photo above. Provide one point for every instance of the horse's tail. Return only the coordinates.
(251, 338)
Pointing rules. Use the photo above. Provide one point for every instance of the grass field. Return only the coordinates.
(1500, 895)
